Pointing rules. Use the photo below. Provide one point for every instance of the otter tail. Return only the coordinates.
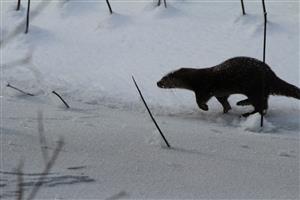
(280, 87)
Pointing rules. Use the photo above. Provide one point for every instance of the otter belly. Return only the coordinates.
(226, 92)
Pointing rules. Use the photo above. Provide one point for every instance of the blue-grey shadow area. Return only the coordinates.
(30, 180)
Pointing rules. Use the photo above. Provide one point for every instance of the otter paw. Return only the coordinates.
(244, 102)
(245, 115)
(249, 113)
(226, 109)
(203, 107)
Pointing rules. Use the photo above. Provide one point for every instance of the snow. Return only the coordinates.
(112, 149)
(253, 123)
(107, 152)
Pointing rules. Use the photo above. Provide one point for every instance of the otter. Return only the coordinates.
(239, 75)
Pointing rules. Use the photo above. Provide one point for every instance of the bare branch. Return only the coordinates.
(264, 57)
(120, 195)
(159, 2)
(18, 5)
(27, 16)
(43, 141)
(141, 95)
(109, 7)
(19, 29)
(14, 63)
(243, 8)
(165, 3)
(15, 88)
(61, 99)
(49, 165)
(20, 190)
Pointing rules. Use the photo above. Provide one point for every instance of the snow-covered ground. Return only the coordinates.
(112, 149)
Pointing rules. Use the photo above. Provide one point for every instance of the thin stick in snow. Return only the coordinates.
(19, 29)
(20, 190)
(141, 95)
(27, 17)
(264, 57)
(243, 8)
(14, 63)
(264, 6)
(26, 93)
(61, 99)
(43, 141)
(18, 5)
(49, 165)
(159, 2)
(265, 31)
(109, 7)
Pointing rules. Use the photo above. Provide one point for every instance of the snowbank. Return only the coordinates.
(89, 56)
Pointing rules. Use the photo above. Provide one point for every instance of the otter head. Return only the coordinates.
(173, 79)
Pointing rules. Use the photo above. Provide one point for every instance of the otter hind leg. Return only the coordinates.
(260, 104)
(223, 100)
(245, 102)
(249, 113)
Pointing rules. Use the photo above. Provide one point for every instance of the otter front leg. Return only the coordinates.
(223, 100)
(201, 101)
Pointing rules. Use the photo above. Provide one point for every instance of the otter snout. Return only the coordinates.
(166, 82)
(160, 84)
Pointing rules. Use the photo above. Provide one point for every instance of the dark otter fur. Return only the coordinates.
(239, 75)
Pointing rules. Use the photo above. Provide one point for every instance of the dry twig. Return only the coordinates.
(43, 141)
(19, 29)
(61, 99)
(141, 95)
(22, 91)
(20, 190)
(49, 165)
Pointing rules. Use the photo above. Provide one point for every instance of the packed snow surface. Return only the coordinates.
(112, 149)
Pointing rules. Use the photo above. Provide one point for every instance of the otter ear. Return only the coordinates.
(176, 72)
(170, 74)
